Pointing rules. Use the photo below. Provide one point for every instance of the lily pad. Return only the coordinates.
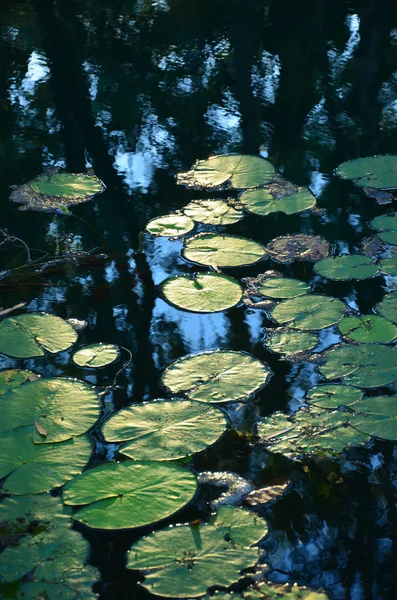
(368, 329)
(291, 342)
(76, 584)
(388, 307)
(282, 288)
(216, 376)
(12, 378)
(215, 250)
(387, 228)
(379, 172)
(334, 395)
(246, 527)
(263, 202)
(287, 591)
(27, 515)
(95, 356)
(213, 212)
(310, 313)
(388, 266)
(202, 292)
(365, 365)
(63, 408)
(165, 429)
(25, 336)
(237, 171)
(299, 246)
(35, 468)
(130, 494)
(342, 268)
(170, 226)
(376, 416)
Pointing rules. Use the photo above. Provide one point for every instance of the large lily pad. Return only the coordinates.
(379, 172)
(263, 202)
(25, 336)
(282, 288)
(12, 378)
(213, 212)
(309, 313)
(170, 226)
(76, 584)
(365, 365)
(388, 307)
(217, 376)
(35, 468)
(236, 171)
(215, 250)
(95, 356)
(165, 429)
(342, 268)
(388, 266)
(299, 246)
(376, 416)
(387, 228)
(368, 329)
(56, 409)
(130, 494)
(334, 395)
(202, 292)
(291, 342)
(26, 515)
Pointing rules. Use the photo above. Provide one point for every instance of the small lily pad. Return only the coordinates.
(291, 342)
(165, 429)
(213, 212)
(350, 266)
(387, 228)
(12, 378)
(334, 395)
(379, 172)
(170, 226)
(282, 288)
(262, 202)
(388, 266)
(300, 246)
(215, 250)
(216, 376)
(310, 313)
(388, 307)
(246, 527)
(25, 336)
(129, 494)
(368, 329)
(202, 292)
(95, 356)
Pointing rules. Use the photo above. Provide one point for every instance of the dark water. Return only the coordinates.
(138, 90)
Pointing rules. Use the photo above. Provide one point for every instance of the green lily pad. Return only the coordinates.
(334, 395)
(365, 365)
(130, 494)
(25, 336)
(170, 226)
(213, 212)
(76, 584)
(165, 429)
(216, 376)
(310, 313)
(246, 527)
(388, 266)
(342, 268)
(388, 307)
(299, 246)
(95, 356)
(387, 228)
(12, 378)
(63, 408)
(262, 202)
(237, 171)
(379, 172)
(215, 250)
(282, 288)
(287, 591)
(291, 342)
(368, 329)
(35, 468)
(376, 416)
(202, 292)
(28, 515)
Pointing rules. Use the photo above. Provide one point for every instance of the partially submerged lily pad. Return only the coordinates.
(129, 494)
(216, 250)
(202, 292)
(165, 429)
(379, 172)
(262, 202)
(350, 266)
(213, 212)
(334, 395)
(388, 307)
(387, 228)
(310, 313)
(299, 246)
(95, 356)
(170, 225)
(27, 335)
(290, 342)
(226, 171)
(282, 288)
(216, 376)
(368, 329)
(12, 378)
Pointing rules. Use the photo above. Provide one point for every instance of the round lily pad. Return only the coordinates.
(365, 365)
(342, 268)
(165, 429)
(291, 342)
(368, 329)
(376, 416)
(216, 376)
(387, 228)
(246, 528)
(12, 378)
(35, 468)
(95, 356)
(388, 307)
(300, 246)
(25, 336)
(216, 250)
(262, 202)
(213, 212)
(388, 266)
(202, 292)
(309, 313)
(236, 171)
(283, 287)
(170, 226)
(379, 172)
(130, 494)
(334, 395)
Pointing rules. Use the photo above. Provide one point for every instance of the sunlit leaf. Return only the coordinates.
(350, 266)
(379, 172)
(213, 212)
(334, 395)
(12, 378)
(310, 313)
(262, 202)
(222, 250)
(95, 356)
(282, 288)
(368, 329)
(170, 226)
(290, 342)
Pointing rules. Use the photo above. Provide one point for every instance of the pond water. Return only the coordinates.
(137, 91)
